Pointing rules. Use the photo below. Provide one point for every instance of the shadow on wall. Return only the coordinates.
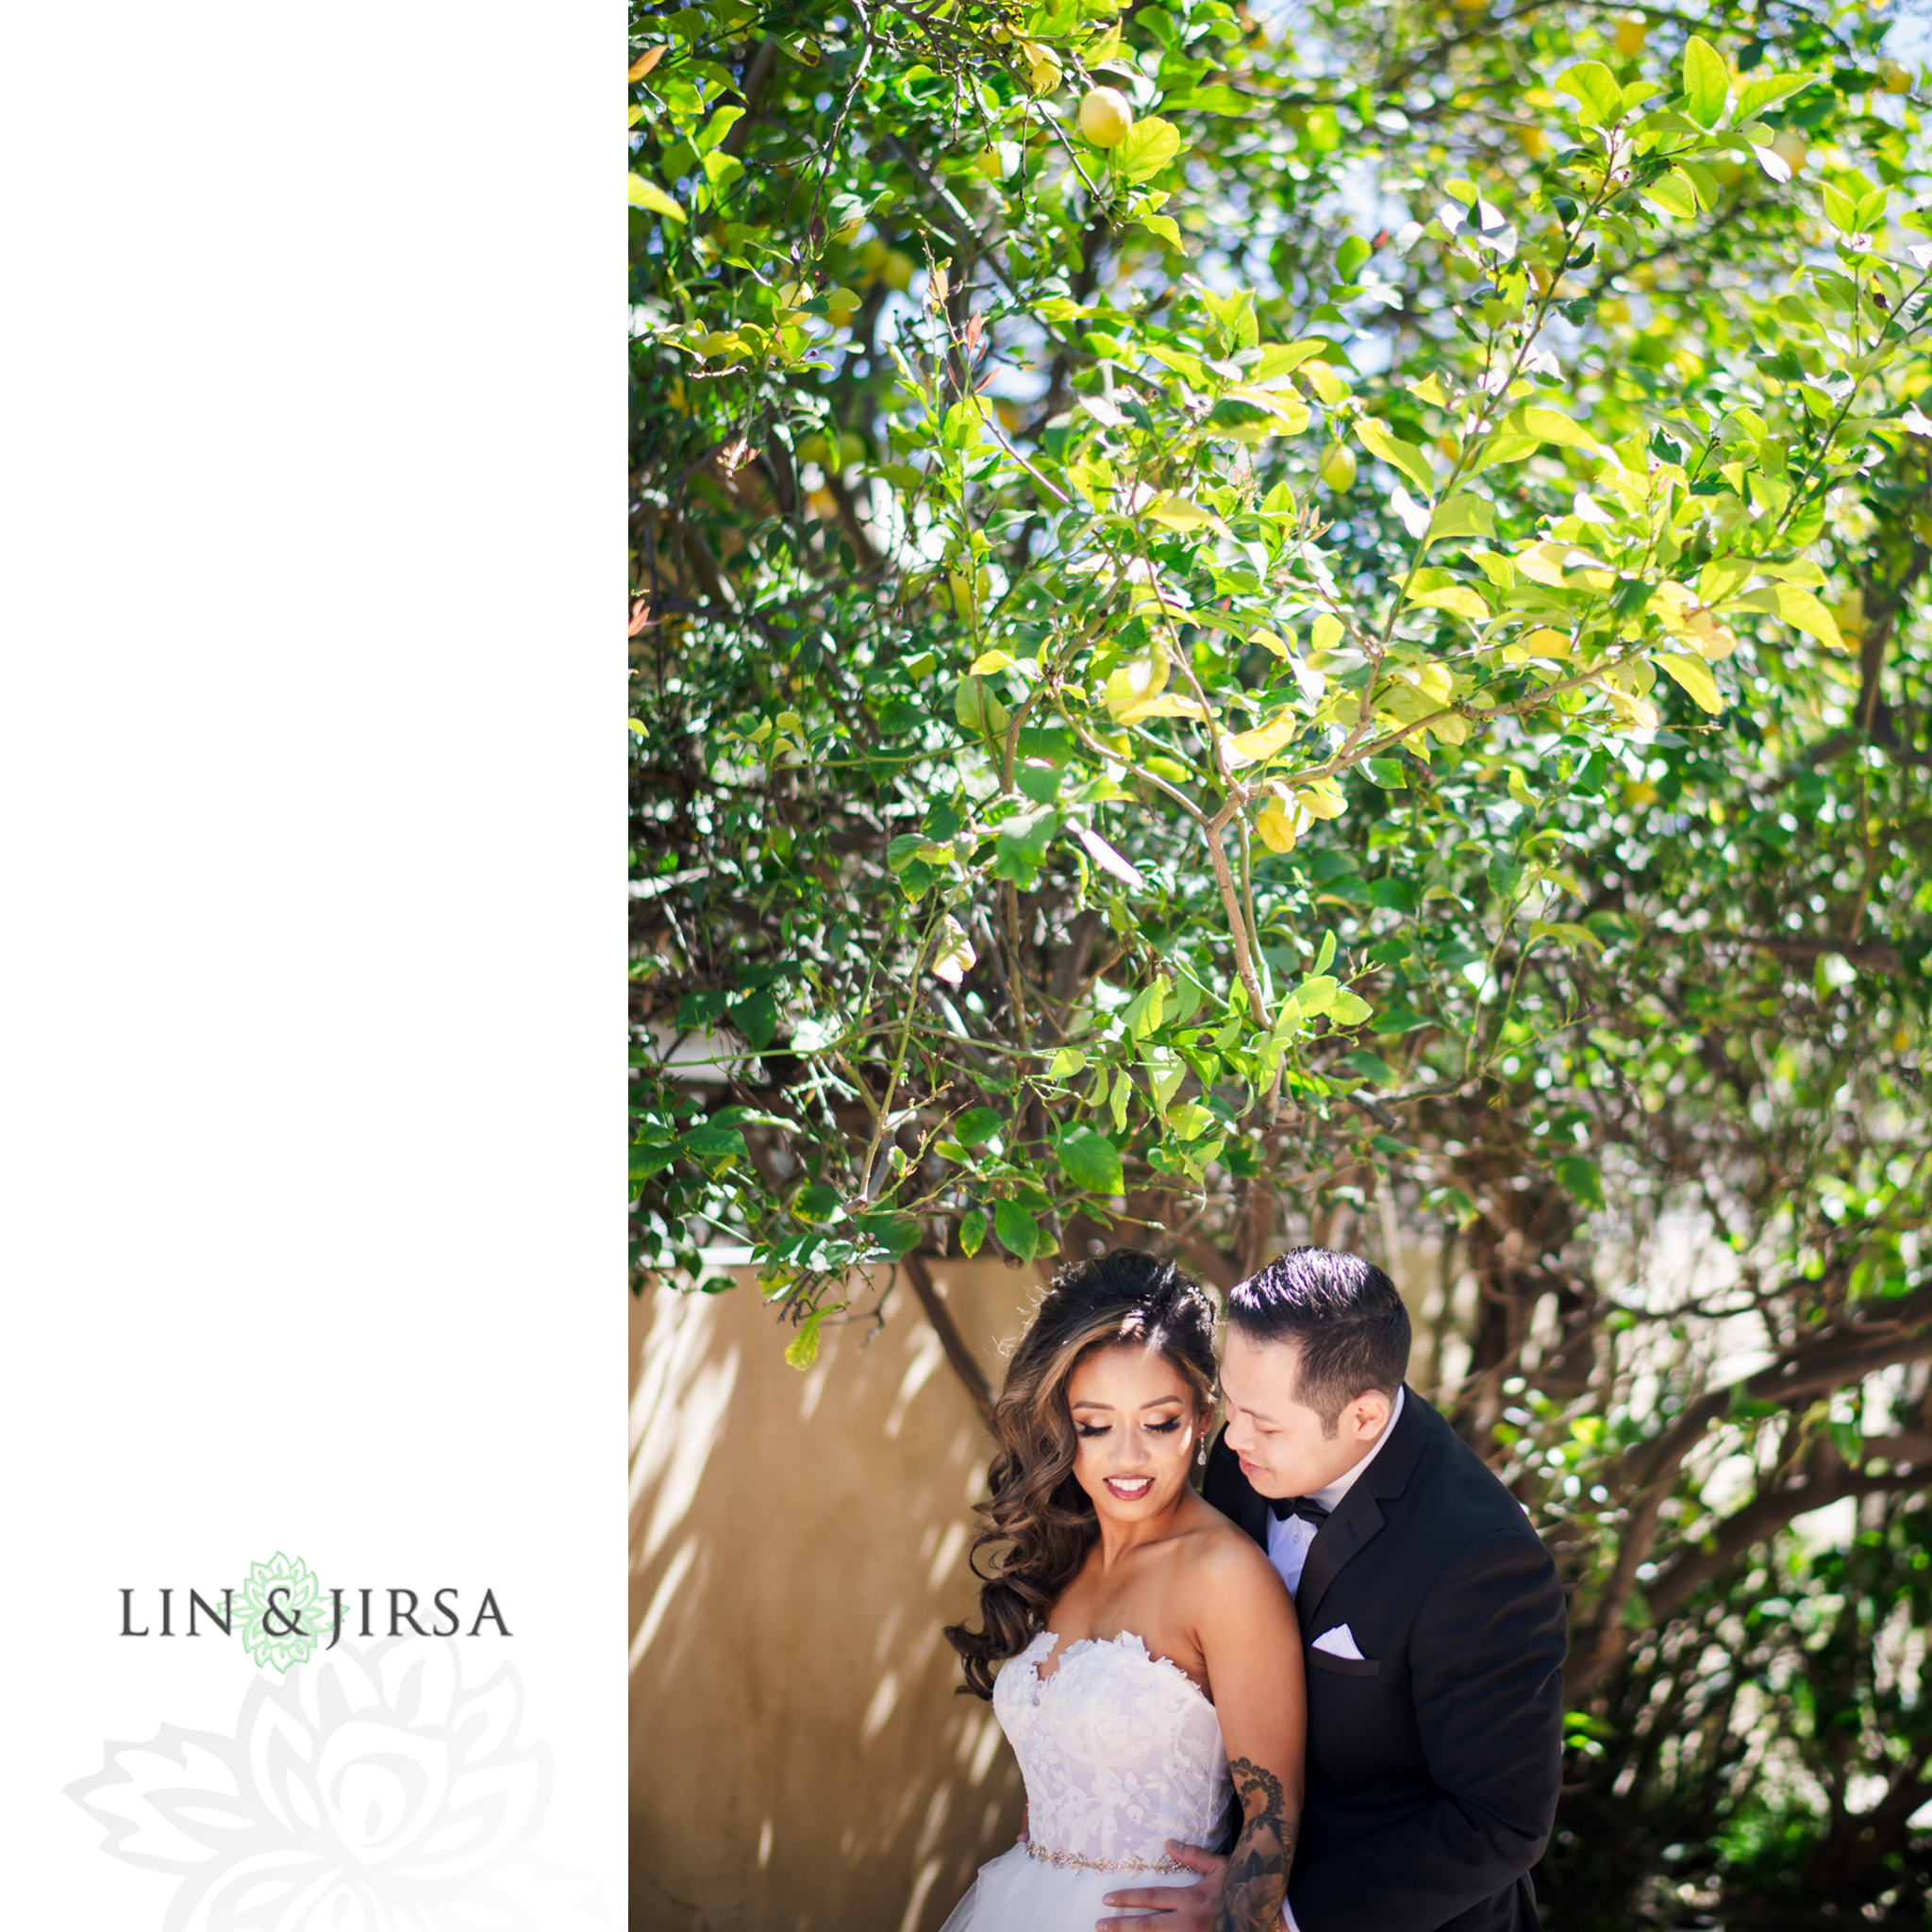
(799, 1762)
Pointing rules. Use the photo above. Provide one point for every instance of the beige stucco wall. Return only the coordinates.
(798, 1760)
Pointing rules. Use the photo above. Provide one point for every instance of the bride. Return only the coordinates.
(1152, 1680)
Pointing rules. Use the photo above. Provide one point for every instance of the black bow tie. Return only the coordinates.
(1305, 1507)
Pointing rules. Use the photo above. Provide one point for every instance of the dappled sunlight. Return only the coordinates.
(677, 1413)
(928, 1353)
(662, 1598)
(798, 1540)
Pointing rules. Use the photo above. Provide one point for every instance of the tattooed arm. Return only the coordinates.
(1257, 1870)
(1245, 1623)
(1254, 1653)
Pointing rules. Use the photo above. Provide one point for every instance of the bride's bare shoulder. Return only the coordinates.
(1228, 1554)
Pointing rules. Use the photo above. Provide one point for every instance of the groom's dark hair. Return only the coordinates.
(1343, 1316)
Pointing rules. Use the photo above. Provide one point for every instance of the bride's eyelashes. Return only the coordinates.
(1166, 1428)
(1092, 1428)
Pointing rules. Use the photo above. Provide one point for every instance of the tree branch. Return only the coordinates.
(964, 1362)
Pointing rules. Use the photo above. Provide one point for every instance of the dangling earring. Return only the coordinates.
(1202, 1458)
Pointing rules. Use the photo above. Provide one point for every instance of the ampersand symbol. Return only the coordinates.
(291, 1626)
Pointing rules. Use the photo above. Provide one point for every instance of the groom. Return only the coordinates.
(1432, 1622)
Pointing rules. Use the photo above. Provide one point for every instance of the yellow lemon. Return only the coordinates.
(896, 271)
(1789, 146)
(1894, 79)
(1338, 467)
(1629, 38)
(1105, 116)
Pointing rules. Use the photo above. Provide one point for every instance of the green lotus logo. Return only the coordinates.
(281, 1609)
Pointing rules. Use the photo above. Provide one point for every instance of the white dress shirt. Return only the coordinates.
(1289, 1537)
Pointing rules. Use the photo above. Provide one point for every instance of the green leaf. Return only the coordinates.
(972, 1232)
(977, 1127)
(802, 1349)
(1674, 193)
(1348, 1009)
(1799, 609)
(648, 194)
(816, 1205)
(1580, 1179)
(1371, 1066)
(1213, 99)
(1278, 359)
(1350, 257)
(1066, 1061)
(757, 1019)
(1462, 600)
(895, 1234)
(1379, 440)
(1552, 425)
(716, 129)
(1453, 1202)
(1578, 938)
(1693, 675)
(1089, 1160)
(1022, 848)
(1463, 515)
(964, 425)
(1392, 774)
(1707, 81)
(1149, 145)
(1018, 1231)
(1143, 1013)
(1593, 87)
(977, 709)
(714, 1147)
(1325, 958)
(1316, 995)
(1392, 1022)
(1766, 89)
(647, 1158)
(1165, 1070)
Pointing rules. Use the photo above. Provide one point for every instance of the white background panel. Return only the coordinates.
(310, 842)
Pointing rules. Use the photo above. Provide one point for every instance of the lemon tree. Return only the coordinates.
(1245, 632)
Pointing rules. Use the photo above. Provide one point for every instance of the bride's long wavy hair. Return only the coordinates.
(1039, 1520)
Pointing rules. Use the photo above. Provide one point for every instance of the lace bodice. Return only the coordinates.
(1120, 1751)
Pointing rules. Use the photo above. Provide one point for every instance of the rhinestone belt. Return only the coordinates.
(1070, 1858)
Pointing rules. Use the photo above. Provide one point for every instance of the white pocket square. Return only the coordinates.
(1340, 1642)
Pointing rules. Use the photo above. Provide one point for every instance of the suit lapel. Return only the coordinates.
(1335, 1542)
(1360, 1517)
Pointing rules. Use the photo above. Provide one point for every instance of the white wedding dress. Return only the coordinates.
(1120, 1752)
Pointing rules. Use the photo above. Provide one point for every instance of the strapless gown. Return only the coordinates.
(1120, 1752)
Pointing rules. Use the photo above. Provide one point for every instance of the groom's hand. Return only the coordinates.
(1173, 1907)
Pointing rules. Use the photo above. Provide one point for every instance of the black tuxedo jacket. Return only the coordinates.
(1433, 1763)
